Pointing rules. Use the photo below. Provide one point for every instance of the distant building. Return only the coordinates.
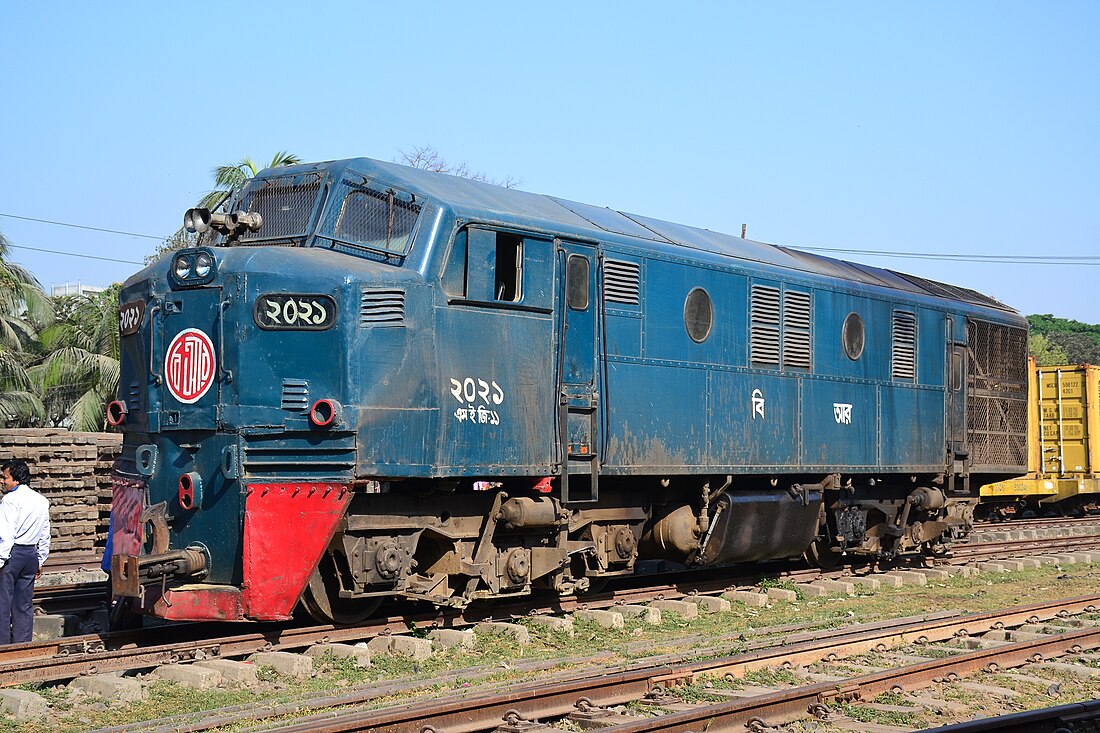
(77, 288)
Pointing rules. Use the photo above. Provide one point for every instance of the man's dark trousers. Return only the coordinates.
(17, 595)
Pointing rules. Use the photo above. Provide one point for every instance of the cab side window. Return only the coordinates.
(490, 266)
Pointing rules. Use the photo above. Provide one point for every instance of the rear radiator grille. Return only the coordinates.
(996, 408)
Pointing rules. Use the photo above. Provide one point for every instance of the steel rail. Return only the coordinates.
(467, 713)
(789, 705)
(762, 638)
(1062, 718)
(72, 656)
(69, 657)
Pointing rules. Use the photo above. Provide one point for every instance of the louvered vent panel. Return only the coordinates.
(295, 394)
(903, 353)
(133, 402)
(765, 345)
(796, 349)
(796, 330)
(764, 332)
(378, 307)
(765, 305)
(621, 282)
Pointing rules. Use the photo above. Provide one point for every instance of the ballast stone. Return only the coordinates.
(360, 654)
(563, 624)
(935, 574)
(110, 687)
(188, 675)
(866, 582)
(749, 598)
(240, 673)
(810, 590)
(498, 628)
(647, 614)
(709, 604)
(54, 626)
(835, 586)
(23, 705)
(452, 638)
(782, 594)
(1012, 565)
(686, 611)
(911, 577)
(604, 619)
(401, 646)
(298, 666)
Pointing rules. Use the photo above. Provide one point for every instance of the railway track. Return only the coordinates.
(71, 656)
(141, 650)
(912, 654)
(53, 596)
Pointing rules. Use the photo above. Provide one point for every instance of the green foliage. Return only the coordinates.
(179, 240)
(1056, 341)
(24, 308)
(1045, 353)
(79, 374)
(227, 178)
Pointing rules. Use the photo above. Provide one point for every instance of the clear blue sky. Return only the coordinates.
(921, 127)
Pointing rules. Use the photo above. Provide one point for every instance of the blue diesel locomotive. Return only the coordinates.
(371, 381)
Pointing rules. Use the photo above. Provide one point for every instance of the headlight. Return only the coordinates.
(203, 263)
(182, 267)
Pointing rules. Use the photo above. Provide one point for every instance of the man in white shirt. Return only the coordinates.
(24, 546)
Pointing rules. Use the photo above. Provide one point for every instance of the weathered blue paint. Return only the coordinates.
(438, 377)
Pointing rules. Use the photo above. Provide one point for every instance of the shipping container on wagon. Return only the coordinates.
(1063, 441)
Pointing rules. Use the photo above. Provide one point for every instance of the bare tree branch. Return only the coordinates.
(427, 158)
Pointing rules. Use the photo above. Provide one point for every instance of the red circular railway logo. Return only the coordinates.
(189, 365)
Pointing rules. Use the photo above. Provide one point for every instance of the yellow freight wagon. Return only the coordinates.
(1063, 427)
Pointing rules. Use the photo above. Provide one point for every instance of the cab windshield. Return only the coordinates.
(364, 215)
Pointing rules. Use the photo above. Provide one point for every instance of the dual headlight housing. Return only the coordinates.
(193, 267)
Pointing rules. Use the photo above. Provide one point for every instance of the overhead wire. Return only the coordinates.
(932, 256)
(82, 226)
(74, 254)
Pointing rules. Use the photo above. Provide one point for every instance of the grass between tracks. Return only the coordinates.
(499, 661)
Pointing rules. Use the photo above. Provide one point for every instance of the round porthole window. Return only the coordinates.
(698, 315)
(853, 337)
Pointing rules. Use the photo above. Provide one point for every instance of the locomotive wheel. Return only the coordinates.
(322, 600)
(822, 555)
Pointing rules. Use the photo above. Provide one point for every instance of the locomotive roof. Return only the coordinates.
(479, 200)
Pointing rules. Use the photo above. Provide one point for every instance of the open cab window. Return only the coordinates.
(500, 268)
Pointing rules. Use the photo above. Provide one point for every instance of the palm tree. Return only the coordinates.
(80, 372)
(22, 306)
(229, 177)
(226, 179)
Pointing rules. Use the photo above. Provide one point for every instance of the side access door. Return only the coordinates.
(578, 372)
(958, 451)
